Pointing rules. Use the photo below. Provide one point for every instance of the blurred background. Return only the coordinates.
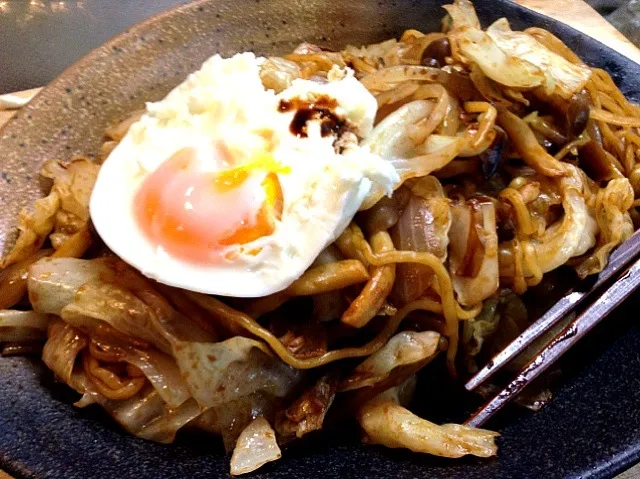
(623, 14)
(39, 38)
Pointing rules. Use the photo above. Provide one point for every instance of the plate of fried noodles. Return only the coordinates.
(483, 160)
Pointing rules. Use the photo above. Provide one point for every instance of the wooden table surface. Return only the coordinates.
(575, 13)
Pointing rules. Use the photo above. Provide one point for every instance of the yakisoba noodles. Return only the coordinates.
(494, 158)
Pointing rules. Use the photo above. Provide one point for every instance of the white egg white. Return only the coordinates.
(226, 100)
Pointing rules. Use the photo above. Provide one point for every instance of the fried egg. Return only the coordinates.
(225, 187)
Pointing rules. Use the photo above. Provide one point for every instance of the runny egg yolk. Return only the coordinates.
(193, 215)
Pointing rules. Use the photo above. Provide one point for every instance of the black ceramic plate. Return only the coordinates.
(591, 429)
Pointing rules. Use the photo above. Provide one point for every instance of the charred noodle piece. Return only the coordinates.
(527, 145)
(256, 446)
(387, 423)
(317, 280)
(368, 303)
(307, 413)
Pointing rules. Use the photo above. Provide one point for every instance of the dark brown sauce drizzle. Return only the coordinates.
(319, 109)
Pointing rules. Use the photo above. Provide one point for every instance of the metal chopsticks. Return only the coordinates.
(601, 307)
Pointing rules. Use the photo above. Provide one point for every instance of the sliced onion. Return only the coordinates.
(474, 251)
(436, 153)
(255, 447)
(422, 227)
(62, 348)
(159, 368)
(390, 138)
(144, 415)
(389, 77)
(465, 249)
(23, 325)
